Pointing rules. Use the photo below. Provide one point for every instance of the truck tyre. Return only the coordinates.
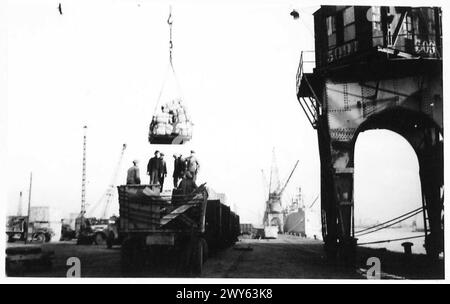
(39, 237)
(132, 257)
(48, 238)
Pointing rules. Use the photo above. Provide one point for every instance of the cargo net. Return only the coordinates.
(171, 124)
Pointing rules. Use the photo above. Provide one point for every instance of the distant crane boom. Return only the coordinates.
(289, 178)
(265, 183)
(108, 196)
(110, 191)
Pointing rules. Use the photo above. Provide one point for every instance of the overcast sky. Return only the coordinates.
(103, 64)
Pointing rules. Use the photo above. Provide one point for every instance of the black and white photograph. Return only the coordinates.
(223, 141)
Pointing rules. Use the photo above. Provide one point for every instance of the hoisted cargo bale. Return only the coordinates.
(162, 118)
(169, 129)
(171, 124)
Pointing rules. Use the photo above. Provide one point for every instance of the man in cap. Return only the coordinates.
(179, 168)
(154, 168)
(133, 175)
(163, 171)
(193, 165)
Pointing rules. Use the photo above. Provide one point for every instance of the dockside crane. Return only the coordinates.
(273, 216)
(109, 194)
(80, 222)
(93, 229)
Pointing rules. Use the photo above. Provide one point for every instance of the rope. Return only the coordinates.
(390, 225)
(393, 240)
(394, 219)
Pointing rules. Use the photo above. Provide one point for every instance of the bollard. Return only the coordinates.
(407, 247)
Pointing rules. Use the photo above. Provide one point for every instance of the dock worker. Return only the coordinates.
(133, 175)
(163, 171)
(193, 165)
(154, 168)
(179, 168)
(187, 184)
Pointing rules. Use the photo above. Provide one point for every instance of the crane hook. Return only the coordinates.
(170, 21)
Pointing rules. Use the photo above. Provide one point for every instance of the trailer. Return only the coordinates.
(179, 230)
(222, 226)
(156, 227)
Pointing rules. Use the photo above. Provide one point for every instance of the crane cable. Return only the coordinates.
(109, 193)
(393, 240)
(170, 22)
(298, 223)
(389, 223)
(170, 67)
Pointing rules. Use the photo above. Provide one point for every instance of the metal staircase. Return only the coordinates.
(307, 97)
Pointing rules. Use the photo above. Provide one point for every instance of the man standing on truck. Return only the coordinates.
(179, 168)
(163, 171)
(154, 168)
(187, 185)
(193, 166)
(133, 175)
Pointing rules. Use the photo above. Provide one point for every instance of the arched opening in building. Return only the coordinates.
(386, 186)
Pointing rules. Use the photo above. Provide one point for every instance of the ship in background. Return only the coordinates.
(302, 219)
(294, 216)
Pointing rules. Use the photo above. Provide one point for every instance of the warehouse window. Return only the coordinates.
(331, 31)
(376, 18)
(331, 25)
(431, 22)
(349, 15)
(408, 27)
(349, 24)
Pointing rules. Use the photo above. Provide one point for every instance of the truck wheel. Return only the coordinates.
(40, 238)
(132, 257)
(125, 256)
(100, 239)
(48, 238)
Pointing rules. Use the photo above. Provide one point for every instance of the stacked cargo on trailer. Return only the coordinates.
(178, 228)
